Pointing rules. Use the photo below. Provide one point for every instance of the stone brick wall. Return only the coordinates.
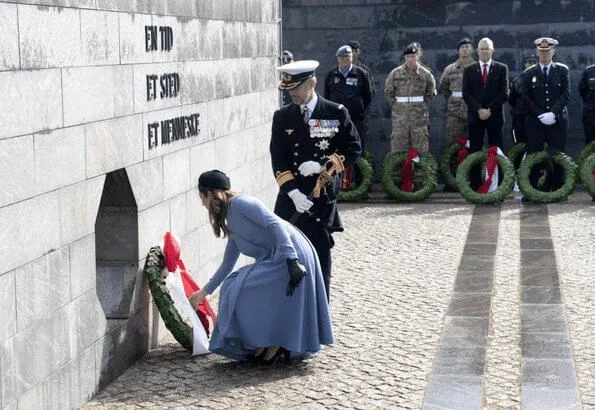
(76, 105)
(316, 28)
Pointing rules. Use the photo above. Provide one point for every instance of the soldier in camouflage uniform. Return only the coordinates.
(451, 87)
(409, 89)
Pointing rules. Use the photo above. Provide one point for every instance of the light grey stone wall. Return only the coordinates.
(74, 109)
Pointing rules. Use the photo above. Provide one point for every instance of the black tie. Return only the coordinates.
(545, 71)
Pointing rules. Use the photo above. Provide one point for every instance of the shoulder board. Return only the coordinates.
(590, 66)
(340, 106)
(528, 68)
(562, 65)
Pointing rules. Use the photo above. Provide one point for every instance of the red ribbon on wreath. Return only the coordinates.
(407, 170)
(463, 151)
(491, 164)
(346, 180)
(171, 254)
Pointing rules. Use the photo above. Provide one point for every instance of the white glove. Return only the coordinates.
(310, 168)
(547, 118)
(301, 201)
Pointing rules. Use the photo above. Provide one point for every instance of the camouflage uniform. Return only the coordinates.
(451, 86)
(410, 118)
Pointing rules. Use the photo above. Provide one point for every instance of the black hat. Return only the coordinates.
(464, 40)
(411, 49)
(286, 57)
(353, 44)
(214, 179)
(529, 59)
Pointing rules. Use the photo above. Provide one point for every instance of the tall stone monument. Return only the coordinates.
(109, 112)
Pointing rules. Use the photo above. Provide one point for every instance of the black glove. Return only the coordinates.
(296, 272)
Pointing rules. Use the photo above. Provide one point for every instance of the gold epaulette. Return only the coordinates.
(283, 177)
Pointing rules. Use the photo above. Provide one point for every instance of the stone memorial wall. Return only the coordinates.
(316, 28)
(110, 110)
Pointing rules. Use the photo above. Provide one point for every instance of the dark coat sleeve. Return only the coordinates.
(502, 91)
(349, 144)
(564, 98)
(471, 102)
(532, 108)
(279, 149)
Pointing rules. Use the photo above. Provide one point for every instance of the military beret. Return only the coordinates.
(464, 40)
(353, 44)
(545, 43)
(343, 50)
(293, 74)
(214, 179)
(410, 49)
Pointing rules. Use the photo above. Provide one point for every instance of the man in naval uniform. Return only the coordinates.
(310, 136)
(545, 91)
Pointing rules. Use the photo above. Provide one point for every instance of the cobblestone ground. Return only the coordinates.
(575, 254)
(394, 270)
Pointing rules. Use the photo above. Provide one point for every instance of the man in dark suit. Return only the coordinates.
(545, 90)
(307, 135)
(485, 90)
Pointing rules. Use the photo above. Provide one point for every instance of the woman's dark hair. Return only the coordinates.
(218, 204)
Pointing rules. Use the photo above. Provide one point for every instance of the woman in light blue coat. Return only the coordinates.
(275, 307)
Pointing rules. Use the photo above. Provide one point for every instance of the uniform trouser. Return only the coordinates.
(407, 136)
(537, 135)
(477, 130)
(359, 126)
(589, 132)
(323, 242)
(456, 127)
(518, 126)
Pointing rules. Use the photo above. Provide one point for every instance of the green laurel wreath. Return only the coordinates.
(180, 330)
(516, 151)
(584, 154)
(428, 166)
(494, 197)
(534, 194)
(360, 192)
(586, 173)
(447, 164)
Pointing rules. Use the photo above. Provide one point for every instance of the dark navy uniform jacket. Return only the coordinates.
(328, 132)
(353, 91)
(586, 88)
(551, 94)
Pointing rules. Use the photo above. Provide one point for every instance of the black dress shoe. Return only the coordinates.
(282, 356)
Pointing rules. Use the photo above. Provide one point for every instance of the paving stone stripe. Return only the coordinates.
(548, 375)
(457, 374)
(502, 372)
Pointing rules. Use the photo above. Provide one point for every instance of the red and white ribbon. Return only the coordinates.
(463, 150)
(407, 170)
(491, 176)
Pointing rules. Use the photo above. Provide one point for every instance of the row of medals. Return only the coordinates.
(323, 128)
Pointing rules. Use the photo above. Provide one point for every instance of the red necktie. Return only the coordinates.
(484, 75)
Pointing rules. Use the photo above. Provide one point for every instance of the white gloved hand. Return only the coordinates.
(301, 201)
(547, 118)
(310, 168)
